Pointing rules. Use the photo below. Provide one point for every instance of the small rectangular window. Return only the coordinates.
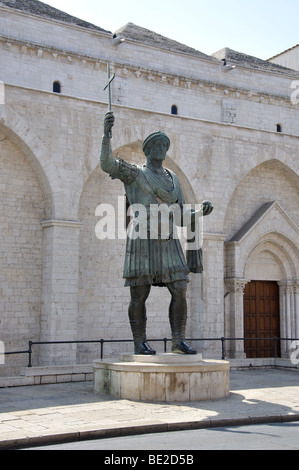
(56, 87)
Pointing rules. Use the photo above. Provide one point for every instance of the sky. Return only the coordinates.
(262, 28)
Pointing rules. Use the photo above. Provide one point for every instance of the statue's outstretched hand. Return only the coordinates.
(207, 207)
(108, 123)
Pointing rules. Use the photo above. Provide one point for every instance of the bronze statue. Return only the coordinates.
(154, 260)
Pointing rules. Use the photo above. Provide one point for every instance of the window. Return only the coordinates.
(278, 128)
(174, 109)
(56, 87)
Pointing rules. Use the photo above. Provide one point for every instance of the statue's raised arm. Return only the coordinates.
(108, 163)
(116, 168)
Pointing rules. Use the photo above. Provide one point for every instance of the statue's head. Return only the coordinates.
(156, 145)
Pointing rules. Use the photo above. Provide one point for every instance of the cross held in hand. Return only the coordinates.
(108, 85)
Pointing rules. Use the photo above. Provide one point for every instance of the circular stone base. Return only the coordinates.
(164, 358)
(163, 377)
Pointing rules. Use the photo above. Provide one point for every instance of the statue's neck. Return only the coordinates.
(155, 165)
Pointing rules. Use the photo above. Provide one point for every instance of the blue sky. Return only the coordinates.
(262, 28)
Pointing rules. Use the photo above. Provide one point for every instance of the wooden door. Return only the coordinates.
(261, 318)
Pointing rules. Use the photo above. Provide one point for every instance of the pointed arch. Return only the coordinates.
(272, 180)
(284, 252)
(271, 225)
(20, 136)
(23, 208)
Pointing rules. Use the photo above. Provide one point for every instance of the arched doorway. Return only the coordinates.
(265, 268)
(270, 308)
(265, 252)
(262, 250)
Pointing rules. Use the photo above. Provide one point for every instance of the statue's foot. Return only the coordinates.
(145, 349)
(181, 347)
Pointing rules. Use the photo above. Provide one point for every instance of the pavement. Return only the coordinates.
(70, 412)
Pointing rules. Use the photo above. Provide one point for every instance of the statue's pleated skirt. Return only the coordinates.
(155, 262)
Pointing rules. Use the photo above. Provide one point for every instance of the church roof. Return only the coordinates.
(146, 36)
(283, 52)
(238, 58)
(41, 9)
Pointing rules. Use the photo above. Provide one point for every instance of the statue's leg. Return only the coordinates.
(178, 317)
(137, 316)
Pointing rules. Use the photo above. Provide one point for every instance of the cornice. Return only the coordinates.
(61, 223)
(126, 70)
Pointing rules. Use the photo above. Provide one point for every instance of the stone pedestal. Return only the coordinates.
(162, 378)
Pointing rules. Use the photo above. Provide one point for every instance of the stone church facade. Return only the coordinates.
(234, 141)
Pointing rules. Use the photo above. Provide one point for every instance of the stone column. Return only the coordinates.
(212, 317)
(236, 291)
(296, 308)
(60, 291)
(286, 294)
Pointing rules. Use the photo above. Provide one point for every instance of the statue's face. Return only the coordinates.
(158, 150)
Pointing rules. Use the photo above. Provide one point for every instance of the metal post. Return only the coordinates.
(275, 347)
(102, 348)
(222, 348)
(30, 354)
